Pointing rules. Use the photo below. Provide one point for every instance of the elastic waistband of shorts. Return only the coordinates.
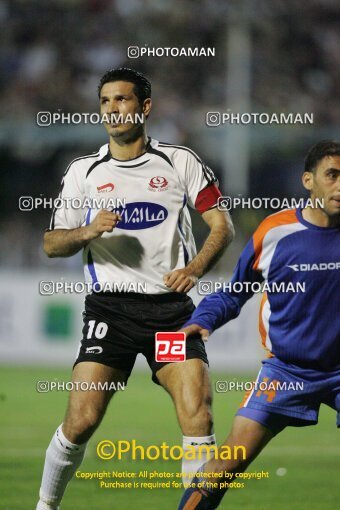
(170, 297)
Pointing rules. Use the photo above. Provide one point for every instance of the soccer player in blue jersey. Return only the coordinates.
(301, 331)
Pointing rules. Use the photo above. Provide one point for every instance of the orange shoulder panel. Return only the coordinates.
(274, 220)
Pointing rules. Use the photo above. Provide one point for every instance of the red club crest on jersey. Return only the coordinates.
(105, 188)
(158, 183)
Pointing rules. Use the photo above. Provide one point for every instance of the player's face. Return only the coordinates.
(324, 183)
(119, 100)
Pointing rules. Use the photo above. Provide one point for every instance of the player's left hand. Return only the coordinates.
(180, 280)
(194, 329)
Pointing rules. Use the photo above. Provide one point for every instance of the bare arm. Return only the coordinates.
(64, 243)
(220, 236)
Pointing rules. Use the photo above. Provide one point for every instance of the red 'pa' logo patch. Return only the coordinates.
(170, 346)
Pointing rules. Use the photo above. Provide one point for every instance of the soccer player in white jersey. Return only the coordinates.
(149, 242)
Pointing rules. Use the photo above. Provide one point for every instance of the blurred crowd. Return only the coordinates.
(53, 54)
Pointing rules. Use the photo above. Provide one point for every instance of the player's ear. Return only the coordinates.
(307, 180)
(147, 105)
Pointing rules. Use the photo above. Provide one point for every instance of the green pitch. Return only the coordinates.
(310, 457)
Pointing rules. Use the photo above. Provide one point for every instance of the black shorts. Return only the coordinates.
(119, 326)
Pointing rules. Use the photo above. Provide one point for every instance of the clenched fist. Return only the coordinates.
(105, 221)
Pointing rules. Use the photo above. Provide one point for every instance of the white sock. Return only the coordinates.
(190, 467)
(61, 461)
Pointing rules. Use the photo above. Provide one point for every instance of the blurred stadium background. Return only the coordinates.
(271, 56)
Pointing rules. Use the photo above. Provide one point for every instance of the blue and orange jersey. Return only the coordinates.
(303, 327)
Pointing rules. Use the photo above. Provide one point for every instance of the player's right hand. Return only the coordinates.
(193, 329)
(105, 221)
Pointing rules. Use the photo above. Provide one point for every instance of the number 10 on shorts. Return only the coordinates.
(170, 347)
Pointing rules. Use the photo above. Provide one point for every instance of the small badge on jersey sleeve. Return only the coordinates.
(170, 347)
(158, 183)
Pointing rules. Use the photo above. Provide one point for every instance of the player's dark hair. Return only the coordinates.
(142, 86)
(319, 151)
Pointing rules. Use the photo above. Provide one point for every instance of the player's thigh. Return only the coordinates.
(245, 441)
(91, 393)
(249, 433)
(188, 383)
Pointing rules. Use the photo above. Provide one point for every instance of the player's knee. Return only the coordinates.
(197, 419)
(79, 427)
